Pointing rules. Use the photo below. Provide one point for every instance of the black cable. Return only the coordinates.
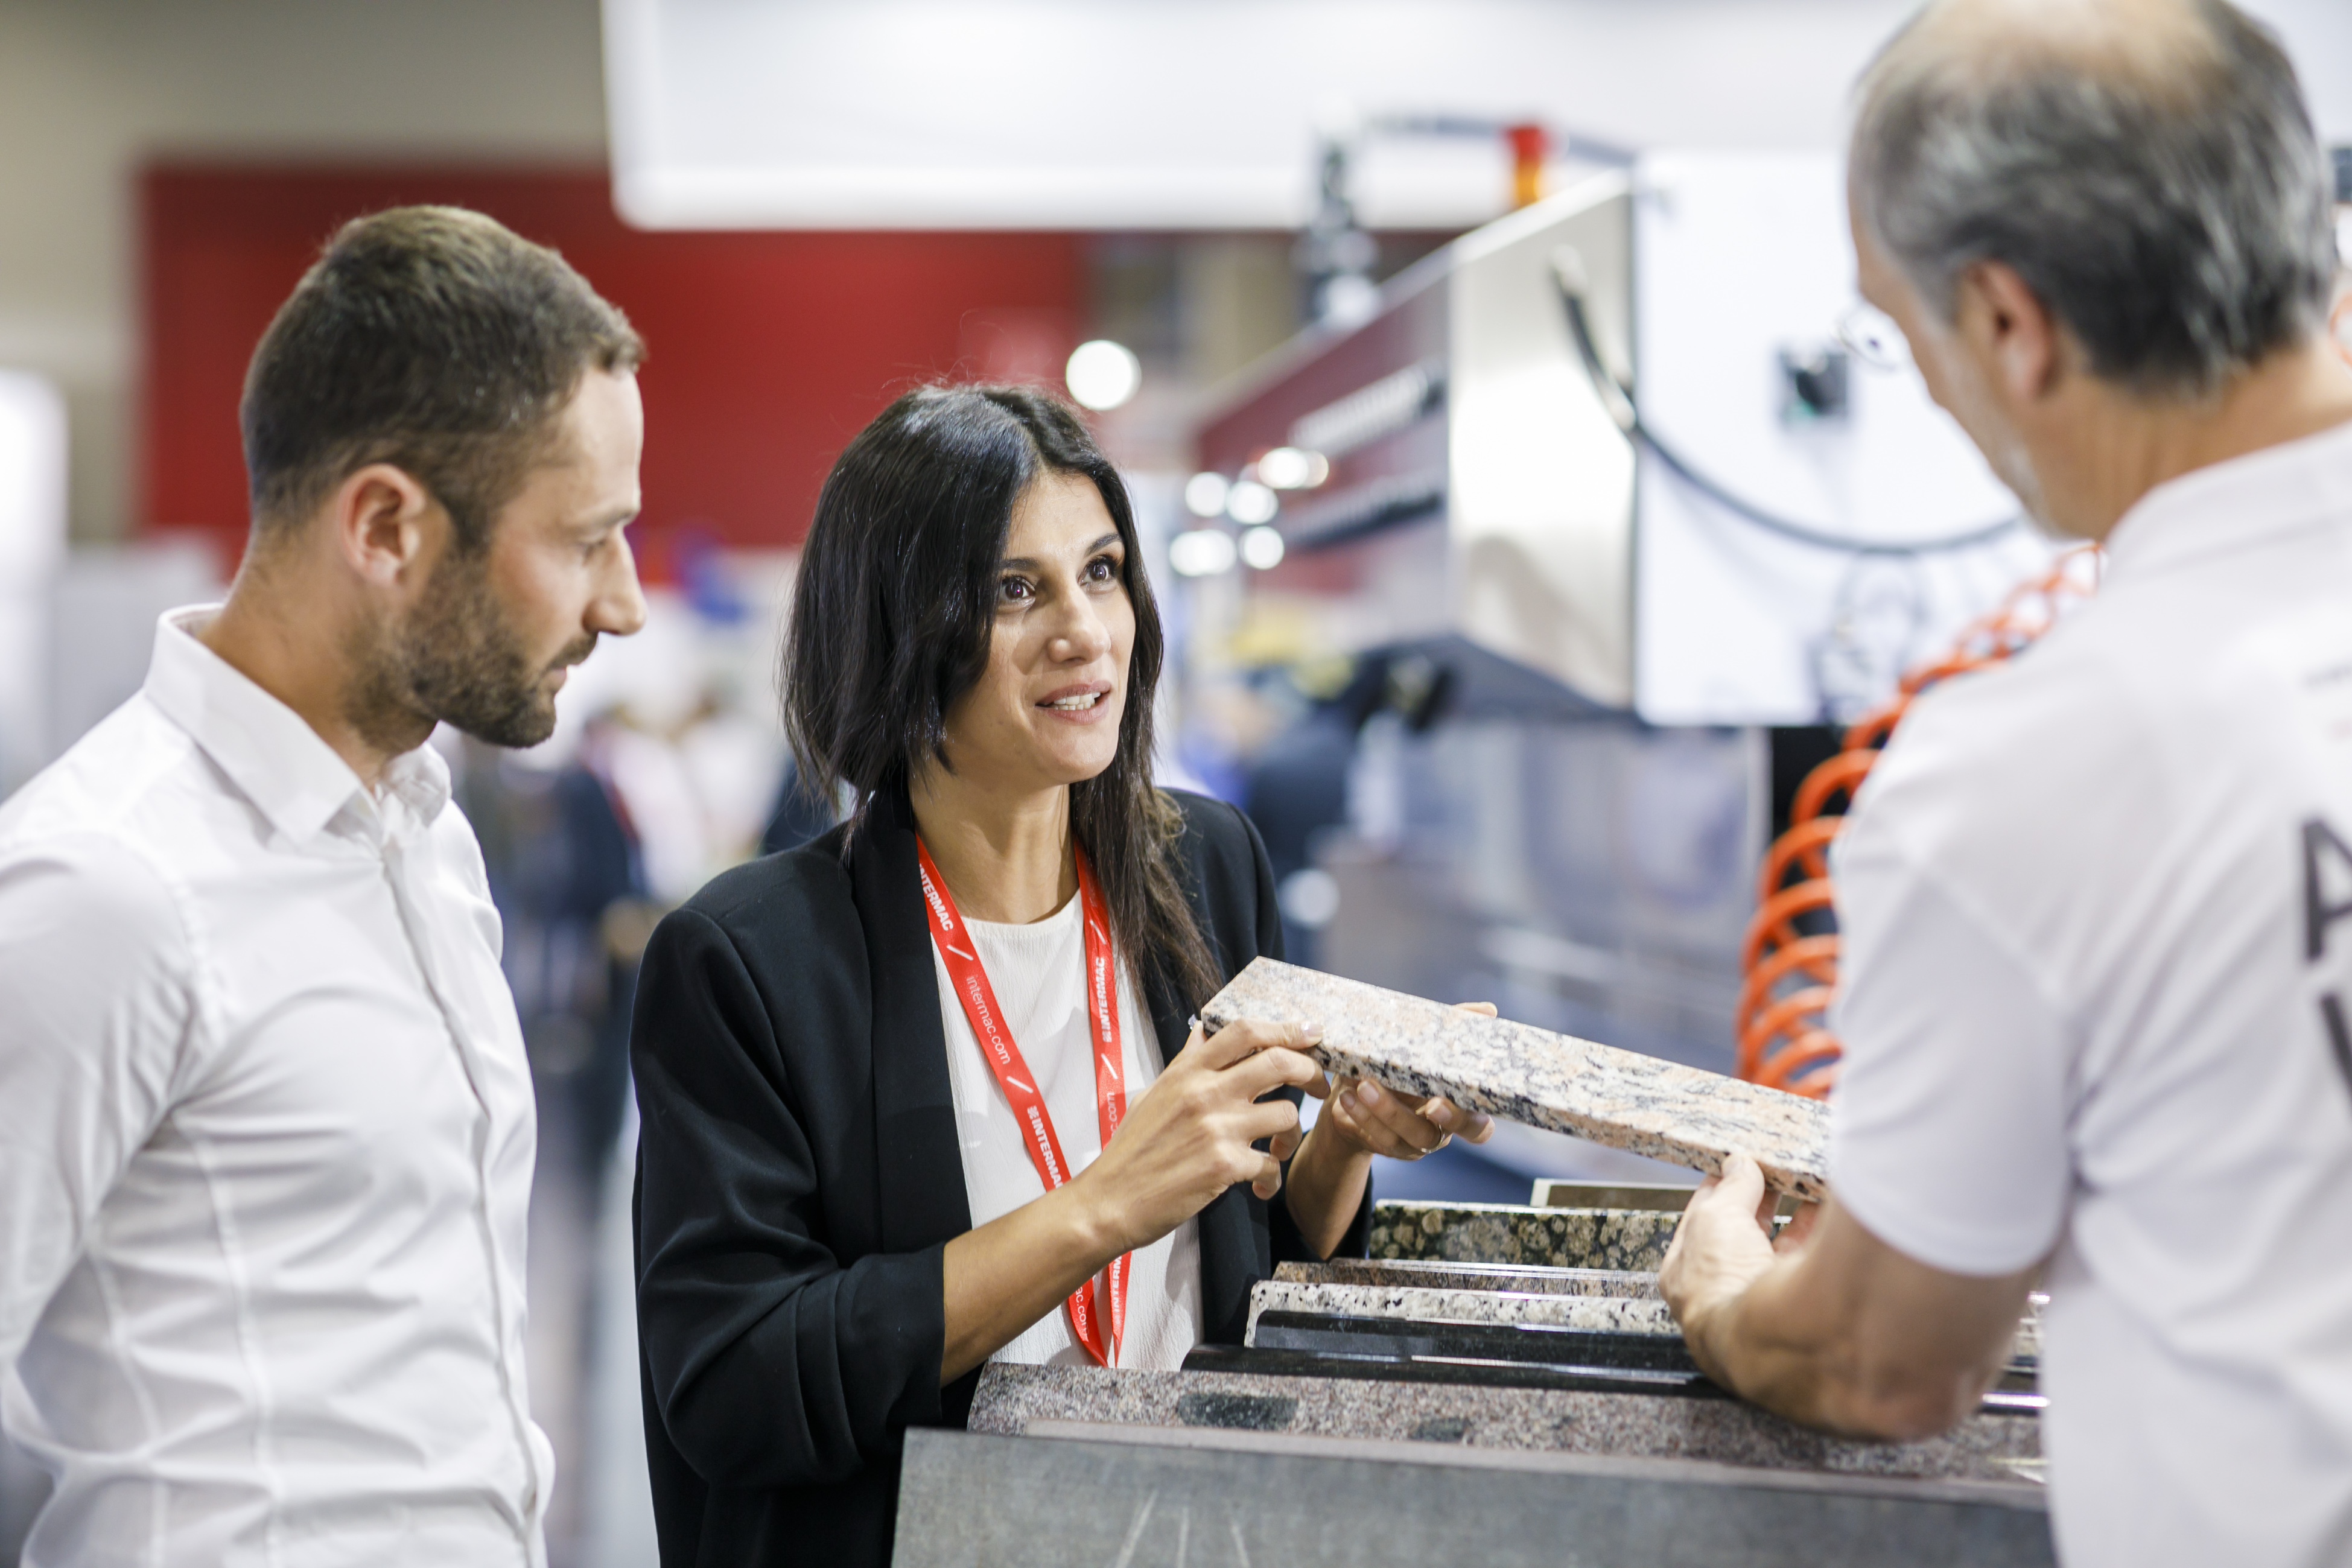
(1770, 522)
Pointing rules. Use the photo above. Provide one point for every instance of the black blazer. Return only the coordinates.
(798, 1176)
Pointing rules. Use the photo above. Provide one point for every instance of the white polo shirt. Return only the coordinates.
(265, 1144)
(2098, 915)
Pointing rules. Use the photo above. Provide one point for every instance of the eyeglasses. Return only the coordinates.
(1870, 336)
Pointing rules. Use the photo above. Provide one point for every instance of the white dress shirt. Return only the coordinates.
(1038, 973)
(2096, 905)
(265, 1145)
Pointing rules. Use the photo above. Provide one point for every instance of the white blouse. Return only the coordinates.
(1038, 973)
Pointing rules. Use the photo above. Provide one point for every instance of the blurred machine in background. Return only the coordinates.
(32, 543)
(1600, 496)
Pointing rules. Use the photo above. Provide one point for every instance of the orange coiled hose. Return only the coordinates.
(1790, 971)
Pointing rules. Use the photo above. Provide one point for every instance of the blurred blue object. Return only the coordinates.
(1455, 1173)
(703, 577)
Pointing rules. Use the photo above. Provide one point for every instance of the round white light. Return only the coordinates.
(1293, 468)
(1200, 552)
(1103, 374)
(1350, 299)
(1251, 503)
(1262, 548)
(1310, 897)
(1204, 495)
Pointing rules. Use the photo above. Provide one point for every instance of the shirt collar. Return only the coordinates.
(2230, 504)
(268, 751)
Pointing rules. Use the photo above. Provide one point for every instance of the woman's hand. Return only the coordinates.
(1361, 1119)
(1190, 1137)
(1184, 1141)
(1402, 1126)
(1379, 1121)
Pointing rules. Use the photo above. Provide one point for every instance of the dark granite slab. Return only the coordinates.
(1987, 1446)
(1635, 1357)
(1658, 1357)
(1361, 1362)
(1644, 1105)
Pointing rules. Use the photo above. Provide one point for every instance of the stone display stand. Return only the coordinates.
(1198, 1497)
(1620, 1098)
(1499, 1399)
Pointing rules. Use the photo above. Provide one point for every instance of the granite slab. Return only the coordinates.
(1614, 1240)
(1986, 1447)
(1415, 1274)
(1615, 1314)
(1620, 1098)
(1442, 1295)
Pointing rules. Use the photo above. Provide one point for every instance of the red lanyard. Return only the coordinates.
(1012, 1074)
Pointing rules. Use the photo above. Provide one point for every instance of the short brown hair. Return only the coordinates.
(432, 339)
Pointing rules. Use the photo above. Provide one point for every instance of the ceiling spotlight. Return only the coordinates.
(1262, 548)
(1204, 495)
(1293, 468)
(1200, 552)
(1251, 503)
(1103, 374)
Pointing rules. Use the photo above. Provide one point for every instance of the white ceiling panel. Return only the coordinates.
(1168, 114)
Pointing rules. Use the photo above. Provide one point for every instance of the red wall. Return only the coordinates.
(767, 351)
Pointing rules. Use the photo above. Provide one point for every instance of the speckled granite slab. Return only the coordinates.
(1616, 1239)
(1983, 1447)
(1415, 1275)
(1628, 1101)
(1616, 1314)
(1627, 1304)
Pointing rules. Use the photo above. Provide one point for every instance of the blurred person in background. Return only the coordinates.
(266, 1126)
(2097, 903)
(842, 1215)
(566, 871)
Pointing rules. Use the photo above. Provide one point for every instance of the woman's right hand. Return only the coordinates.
(1184, 1141)
(1189, 1138)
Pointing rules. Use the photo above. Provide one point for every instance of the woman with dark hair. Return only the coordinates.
(926, 1091)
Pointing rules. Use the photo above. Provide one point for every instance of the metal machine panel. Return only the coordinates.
(1368, 547)
(1543, 480)
(1742, 259)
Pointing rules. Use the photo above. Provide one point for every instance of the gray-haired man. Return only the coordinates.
(2097, 904)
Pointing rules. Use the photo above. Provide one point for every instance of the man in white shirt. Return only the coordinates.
(266, 1122)
(2096, 904)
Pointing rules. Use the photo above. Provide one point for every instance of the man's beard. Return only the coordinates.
(456, 659)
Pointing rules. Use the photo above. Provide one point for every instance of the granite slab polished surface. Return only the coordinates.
(1643, 1104)
(1615, 1314)
(1415, 1274)
(1991, 1447)
(1618, 1240)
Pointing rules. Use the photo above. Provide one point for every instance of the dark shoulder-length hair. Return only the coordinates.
(893, 610)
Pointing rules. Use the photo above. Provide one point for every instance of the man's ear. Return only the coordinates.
(384, 523)
(2015, 340)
